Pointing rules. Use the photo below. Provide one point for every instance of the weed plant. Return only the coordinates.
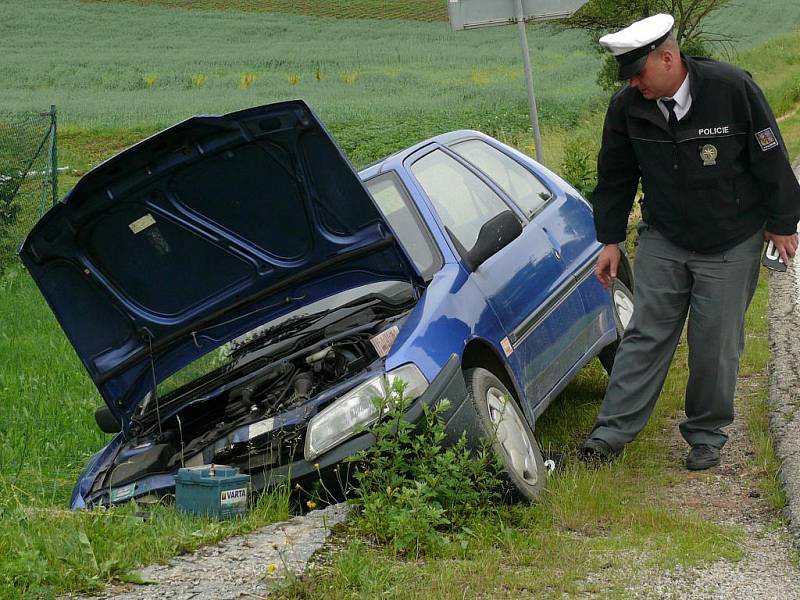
(616, 519)
(578, 167)
(412, 488)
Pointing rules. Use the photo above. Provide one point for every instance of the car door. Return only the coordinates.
(558, 322)
(518, 281)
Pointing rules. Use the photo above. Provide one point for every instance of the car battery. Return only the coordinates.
(212, 490)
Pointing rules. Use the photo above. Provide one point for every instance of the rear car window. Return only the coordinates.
(463, 201)
(516, 181)
(395, 204)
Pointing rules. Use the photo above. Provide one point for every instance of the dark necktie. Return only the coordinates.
(673, 118)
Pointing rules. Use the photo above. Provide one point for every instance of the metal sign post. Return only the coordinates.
(470, 14)
(526, 60)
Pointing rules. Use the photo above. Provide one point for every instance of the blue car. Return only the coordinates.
(239, 296)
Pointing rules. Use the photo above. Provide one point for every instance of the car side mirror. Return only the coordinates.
(106, 420)
(495, 235)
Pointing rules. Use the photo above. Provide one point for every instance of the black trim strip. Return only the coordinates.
(640, 139)
(523, 330)
(709, 137)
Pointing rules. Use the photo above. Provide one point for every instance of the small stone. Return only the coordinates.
(755, 494)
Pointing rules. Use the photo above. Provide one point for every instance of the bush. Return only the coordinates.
(412, 489)
(578, 167)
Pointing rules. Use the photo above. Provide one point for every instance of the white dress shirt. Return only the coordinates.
(683, 101)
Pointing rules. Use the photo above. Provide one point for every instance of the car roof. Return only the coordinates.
(393, 161)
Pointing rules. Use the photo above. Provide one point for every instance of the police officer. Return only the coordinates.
(716, 178)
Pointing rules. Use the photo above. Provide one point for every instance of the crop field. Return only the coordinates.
(169, 63)
(166, 64)
(118, 71)
(413, 10)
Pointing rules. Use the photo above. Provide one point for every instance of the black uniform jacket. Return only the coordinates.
(709, 185)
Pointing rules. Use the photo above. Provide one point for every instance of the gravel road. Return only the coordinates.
(245, 566)
(784, 384)
(728, 494)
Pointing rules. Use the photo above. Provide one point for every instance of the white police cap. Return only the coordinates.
(631, 45)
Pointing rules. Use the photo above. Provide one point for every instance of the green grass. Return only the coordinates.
(47, 433)
(49, 551)
(47, 429)
(755, 392)
(782, 84)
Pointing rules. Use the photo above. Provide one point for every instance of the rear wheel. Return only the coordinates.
(500, 419)
(622, 298)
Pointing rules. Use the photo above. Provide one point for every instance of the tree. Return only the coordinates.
(598, 17)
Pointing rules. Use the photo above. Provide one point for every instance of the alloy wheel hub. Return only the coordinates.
(512, 436)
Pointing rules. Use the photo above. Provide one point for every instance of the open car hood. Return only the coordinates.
(199, 234)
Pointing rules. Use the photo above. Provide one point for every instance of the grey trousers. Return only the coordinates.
(671, 282)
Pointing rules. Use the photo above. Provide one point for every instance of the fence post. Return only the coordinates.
(53, 153)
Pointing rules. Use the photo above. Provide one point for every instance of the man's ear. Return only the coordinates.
(668, 58)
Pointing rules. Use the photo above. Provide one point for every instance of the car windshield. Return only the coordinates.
(393, 201)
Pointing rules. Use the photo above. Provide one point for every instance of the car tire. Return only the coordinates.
(500, 420)
(622, 298)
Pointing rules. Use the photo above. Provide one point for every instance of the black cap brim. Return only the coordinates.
(628, 70)
(632, 62)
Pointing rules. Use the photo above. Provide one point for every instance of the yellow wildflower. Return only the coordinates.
(311, 504)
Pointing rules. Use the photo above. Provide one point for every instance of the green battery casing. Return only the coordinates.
(220, 492)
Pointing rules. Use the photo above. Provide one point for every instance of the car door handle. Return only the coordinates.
(555, 245)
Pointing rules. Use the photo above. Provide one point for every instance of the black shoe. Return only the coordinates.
(595, 450)
(701, 457)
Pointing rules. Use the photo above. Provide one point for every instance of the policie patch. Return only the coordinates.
(766, 139)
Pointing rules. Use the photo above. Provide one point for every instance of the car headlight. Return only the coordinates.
(357, 408)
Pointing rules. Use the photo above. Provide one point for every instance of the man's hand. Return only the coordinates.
(786, 245)
(607, 265)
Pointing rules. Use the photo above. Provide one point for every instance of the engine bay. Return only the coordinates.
(252, 411)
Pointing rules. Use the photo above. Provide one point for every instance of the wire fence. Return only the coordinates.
(28, 175)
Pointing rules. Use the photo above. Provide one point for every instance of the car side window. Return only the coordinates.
(395, 204)
(516, 181)
(463, 201)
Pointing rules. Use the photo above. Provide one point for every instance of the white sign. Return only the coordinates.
(468, 14)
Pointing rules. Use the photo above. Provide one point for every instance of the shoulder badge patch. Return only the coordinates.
(766, 139)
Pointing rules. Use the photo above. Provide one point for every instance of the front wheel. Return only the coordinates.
(622, 299)
(501, 420)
